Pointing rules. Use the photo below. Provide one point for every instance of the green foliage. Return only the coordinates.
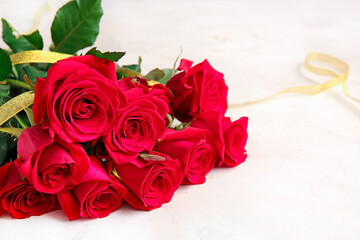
(167, 76)
(18, 42)
(3, 148)
(5, 66)
(4, 91)
(112, 56)
(155, 74)
(135, 67)
(7, 148)
(76, 25)
(33, 73)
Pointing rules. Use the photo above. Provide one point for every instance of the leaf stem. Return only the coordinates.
(21, 122)
(18, 84)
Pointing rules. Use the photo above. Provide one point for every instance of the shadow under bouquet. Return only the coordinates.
(82, 133)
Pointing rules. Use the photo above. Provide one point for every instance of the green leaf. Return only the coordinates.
(112, 56)
(8, 145)
(76, 25)
(15, 132)
(3, 148)
(152, 157)
(11, 142)
(4, 90)
(30, 115)
(155, 74)
(166, 78)
(5, 65)
(33, 73)
(135, 67)
(18, 42)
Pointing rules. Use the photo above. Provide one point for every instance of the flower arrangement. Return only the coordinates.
(99, 133)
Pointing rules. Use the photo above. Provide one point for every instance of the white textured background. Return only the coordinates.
(301, 179)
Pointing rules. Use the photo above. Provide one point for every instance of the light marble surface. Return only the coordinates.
(301, 179)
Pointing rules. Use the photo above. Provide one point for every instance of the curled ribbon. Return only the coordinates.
(336, 79)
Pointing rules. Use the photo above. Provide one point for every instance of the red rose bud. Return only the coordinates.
(80, 98)
(49, 163)
(198, 89)
(193, 147)
(19, 198)
(96, 196)
(150, 183)
(138, 127)
(230, 136)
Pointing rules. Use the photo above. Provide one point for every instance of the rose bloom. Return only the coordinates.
(235, 137)
(49, 163)
(230, 136)
(19, 198)
(139, 126)
(97, 195)
(193, 147)
(150, 183)
(79, 97)
(197, 89)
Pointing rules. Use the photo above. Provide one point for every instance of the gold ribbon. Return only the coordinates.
(15, 105)
(37, 56)
(337, 78)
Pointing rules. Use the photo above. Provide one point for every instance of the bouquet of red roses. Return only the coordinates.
(98, 133)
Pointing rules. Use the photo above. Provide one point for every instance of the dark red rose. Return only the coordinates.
(230, 136)
(138, 127)
(150, 183)
(49, 163)
(193, 147)
(19, 198)
(96, 196)
(80, 98)
(198, 89)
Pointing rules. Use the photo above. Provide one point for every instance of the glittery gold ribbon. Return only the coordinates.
(15, 105)
(37, 56)
(337, 78)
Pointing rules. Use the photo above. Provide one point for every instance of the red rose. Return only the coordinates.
(79, 97)
(19, 198)
(157, 89)
(212, 122)
(193, 147)
(4, 177)
(235, 137)
(230, 136)
(150, 183)
(49, 163)
(138, 127)
(198, 89)
(96, 196)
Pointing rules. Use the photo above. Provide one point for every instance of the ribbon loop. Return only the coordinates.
(337, 78)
